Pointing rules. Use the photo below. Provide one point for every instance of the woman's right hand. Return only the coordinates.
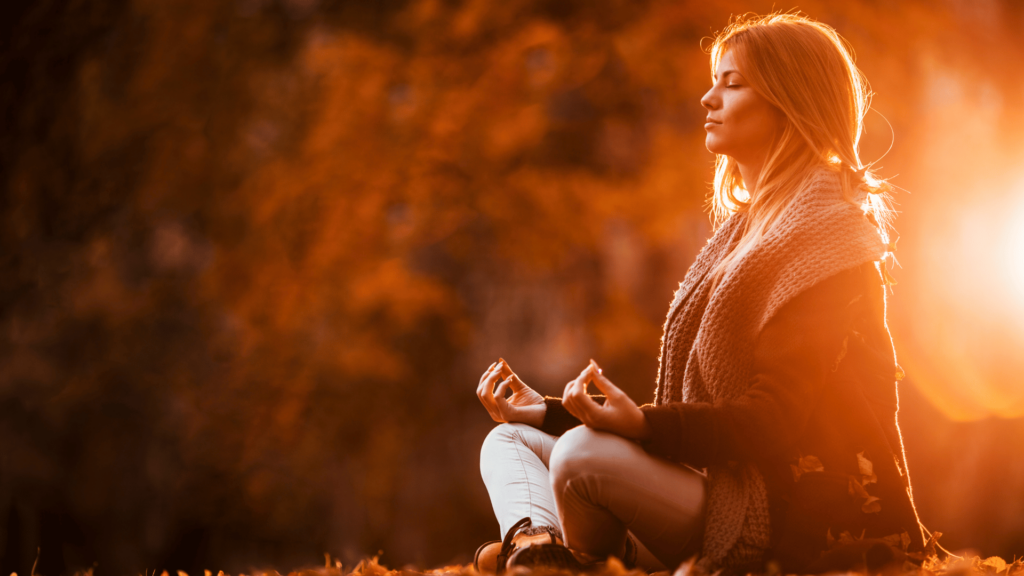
(525, 405)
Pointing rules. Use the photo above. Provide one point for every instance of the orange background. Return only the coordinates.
(257, 253)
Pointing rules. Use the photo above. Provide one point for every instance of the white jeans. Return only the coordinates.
(595, 486)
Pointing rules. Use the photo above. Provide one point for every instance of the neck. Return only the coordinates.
(750, 170)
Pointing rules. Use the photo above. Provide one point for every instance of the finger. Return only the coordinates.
(586, 403)
(578, 398)
(488, 401)
(568, 398)
(499, 392)
(492, 376)
(589, 409)
(605, 385)
(491, 410)
(584, 378)
(505, 370)
(487, 394)
(595, 370)
(572, 390)
(486, 372)
(487, 382)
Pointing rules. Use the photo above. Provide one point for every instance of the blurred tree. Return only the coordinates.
(256, 254)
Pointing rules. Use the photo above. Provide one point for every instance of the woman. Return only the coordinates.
(773, 432)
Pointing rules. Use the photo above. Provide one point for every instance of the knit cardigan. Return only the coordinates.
(710, 337)
(819, 421)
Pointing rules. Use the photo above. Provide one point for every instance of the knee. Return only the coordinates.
(582, 451)
(500, 436)
(505, 432)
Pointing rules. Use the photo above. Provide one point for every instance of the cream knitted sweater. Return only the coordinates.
(709, 338)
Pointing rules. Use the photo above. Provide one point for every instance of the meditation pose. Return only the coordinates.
(772, 435)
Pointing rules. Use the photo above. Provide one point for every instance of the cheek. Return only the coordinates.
(753, 121)
(745, 110)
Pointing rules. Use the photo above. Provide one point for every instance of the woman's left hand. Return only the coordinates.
(618, 415)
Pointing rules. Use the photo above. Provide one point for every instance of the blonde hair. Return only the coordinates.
(806, 70)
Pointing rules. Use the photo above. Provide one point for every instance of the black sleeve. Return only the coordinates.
(557, 419)
(793, 357)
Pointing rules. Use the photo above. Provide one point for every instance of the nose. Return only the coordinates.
(709, 100)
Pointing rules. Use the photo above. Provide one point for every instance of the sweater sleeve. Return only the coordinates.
(557, 420)
(793, 357)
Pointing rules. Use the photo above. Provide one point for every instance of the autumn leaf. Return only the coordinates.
(893, 540)
(995, 562)
(686, 568)
(867, 470)
(857, 489)
(863, 464)
(846, 538)
(806, 464)
(615, 567)
(929, 547)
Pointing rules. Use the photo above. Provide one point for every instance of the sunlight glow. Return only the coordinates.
(969, 305)
(1012, 249)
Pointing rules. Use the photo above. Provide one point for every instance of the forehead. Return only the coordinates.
(726, 64)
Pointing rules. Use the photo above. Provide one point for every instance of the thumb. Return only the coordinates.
(516, 383)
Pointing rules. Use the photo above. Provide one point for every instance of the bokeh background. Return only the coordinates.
(255, 254)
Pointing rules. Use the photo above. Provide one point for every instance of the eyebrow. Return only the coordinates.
(726, 73)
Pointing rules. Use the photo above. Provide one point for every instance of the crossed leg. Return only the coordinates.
(595, 487)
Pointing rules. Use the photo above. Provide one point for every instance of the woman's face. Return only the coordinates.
(740, 122)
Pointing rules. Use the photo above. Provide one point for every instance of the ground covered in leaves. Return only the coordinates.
(949, 565)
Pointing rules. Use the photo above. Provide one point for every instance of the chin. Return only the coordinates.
(713, 147)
